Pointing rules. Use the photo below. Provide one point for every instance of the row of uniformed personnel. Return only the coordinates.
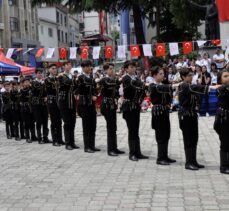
(58, 96)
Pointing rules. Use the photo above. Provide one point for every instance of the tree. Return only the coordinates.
(113, 6)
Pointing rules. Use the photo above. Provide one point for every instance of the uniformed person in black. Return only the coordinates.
(221, 124)
(15, 108)
(7, 111)
(21, 124)
(188, 119)
(1, 85)
(67, 104)
(134, 92)
(51, 86)
(86, 106)
(26, 110)
(109, 91)
(39, 107)
(161, 98)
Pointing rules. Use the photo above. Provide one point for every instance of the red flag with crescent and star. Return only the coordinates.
(109, 52)
(187, 47)
(84, 52)
(63, 53)
(40, 52)
(160, 49)
(135, 51)
(223, 7)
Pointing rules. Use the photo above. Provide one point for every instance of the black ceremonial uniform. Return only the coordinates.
(26, 114)
(188, 119)
(40, 110)
(87, 110)
(109, 93)
(134, 92)
(221, 126)
(161, 98)
(7, 114)
(56, 124)
(15, 110)
(67, 105)
(0, 105)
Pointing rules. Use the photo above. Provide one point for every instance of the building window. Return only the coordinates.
(50, 32)
(61, 19)
(65, 21)
(66, 37)
(42, 29)
(26, 25)
(58, 35)
(14, 25)
(12, 2)
(62, 36)
(57, 17)
(24, 2)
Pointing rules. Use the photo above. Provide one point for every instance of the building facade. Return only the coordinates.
(18, 24)
(57, 28)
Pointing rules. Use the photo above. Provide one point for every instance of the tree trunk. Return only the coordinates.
(139, 32)
(158, 17)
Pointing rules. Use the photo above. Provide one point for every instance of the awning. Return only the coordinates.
(6, 69)
(97, 37)
(24, 70)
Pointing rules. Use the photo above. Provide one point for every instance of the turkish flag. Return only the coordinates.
(135, 51)
(19, 49)
(84, 52)
(63, 53)
(1, 49)
(223, 7)
(109, 52)
(187, 47)
(40, 52)
(160, 49)
(216, 42)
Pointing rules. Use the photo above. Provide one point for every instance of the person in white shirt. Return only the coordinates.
(214, 74)
(205, 61)
(198, 61)
(196, 75)
(219, 59)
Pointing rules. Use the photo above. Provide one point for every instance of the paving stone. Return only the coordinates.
(42, 177)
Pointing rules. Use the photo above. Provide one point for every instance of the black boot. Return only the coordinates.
(196, 163)
(170, 160)
(54, 138)
(33, 135)
(224, 162)
(139, 154)
(190, 159)
(27, 136)
(60, 136)
(162, 154)
(67, 137)
(72, 136)
(92, 141)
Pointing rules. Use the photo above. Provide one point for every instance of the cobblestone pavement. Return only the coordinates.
(43, 177)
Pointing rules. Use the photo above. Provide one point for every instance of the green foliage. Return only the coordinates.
(177, 19)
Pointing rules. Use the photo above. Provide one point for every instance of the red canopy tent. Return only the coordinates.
(24, 70)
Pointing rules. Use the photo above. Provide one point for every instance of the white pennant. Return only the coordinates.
(30, 49)
(121, 51)
(173, 48)
(96, 52)
(147, 50)
(227, 43)
(200, 42)
(10, 52)
(50, 53)
(73, 53)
